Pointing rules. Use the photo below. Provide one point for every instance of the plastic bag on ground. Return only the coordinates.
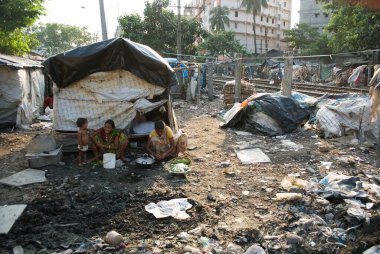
(175, 207)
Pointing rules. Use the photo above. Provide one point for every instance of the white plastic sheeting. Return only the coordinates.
(21, 95)
(175, 208)
(338, 116)
(115, 95)
(355, 78)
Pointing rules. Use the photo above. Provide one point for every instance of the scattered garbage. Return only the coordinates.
(18, 250)
(326, 165)
(27, 176)
(243, 133)
(255, 249)
(8, 216)
(291, 145)
(175, 208)
(289, 196)
(113, 238)
(250, 156)
(191, 249)
(373, 250)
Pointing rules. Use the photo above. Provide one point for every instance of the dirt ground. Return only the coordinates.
(232, 203)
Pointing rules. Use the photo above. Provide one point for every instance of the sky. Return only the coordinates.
(86, 12)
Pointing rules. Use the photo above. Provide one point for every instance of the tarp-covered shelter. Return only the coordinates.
(22, 89)
(112, 79)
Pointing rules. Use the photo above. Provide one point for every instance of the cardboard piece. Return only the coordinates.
(27, 176)
(250, 156)
(8, 216)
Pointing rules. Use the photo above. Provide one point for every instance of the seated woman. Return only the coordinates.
(162, 143)
(109, 140)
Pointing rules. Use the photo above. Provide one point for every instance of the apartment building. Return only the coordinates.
(270, 23)
(311, 13)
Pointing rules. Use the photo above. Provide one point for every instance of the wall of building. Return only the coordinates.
(311, 13)
(270, 24)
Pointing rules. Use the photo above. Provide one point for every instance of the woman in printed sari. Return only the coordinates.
(162, 143)
(109, 140)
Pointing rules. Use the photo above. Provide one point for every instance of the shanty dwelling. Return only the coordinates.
(115, 79)
(22, 89)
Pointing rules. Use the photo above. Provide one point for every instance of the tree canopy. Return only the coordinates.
(353, 28)
(222, 43)
(16, 16)
(56, 38)
(307, 39)
(158, 28)
(219, 18)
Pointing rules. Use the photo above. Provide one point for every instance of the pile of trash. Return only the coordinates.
(331, 210)
(267, 114)
(276, 115)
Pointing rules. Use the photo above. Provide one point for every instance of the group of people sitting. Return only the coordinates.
(161, 143)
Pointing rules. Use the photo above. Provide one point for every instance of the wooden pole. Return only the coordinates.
(199, 78)
(286, 84)
(210, 85)
(237, 96)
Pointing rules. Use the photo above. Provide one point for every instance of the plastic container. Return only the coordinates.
(109, 160)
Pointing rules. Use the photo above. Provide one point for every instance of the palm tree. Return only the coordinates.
(219, 18)
(254, 6)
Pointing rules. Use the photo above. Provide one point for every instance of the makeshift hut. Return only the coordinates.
(113, 79)
(22, 89)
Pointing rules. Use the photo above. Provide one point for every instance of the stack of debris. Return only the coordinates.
(247, 90)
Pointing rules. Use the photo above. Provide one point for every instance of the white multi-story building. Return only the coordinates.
(311, 13)
(270, 23)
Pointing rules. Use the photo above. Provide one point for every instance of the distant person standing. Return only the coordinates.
(279, 75)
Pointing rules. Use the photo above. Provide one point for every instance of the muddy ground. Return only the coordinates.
(232, 203)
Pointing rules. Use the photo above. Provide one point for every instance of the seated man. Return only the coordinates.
(161, 143)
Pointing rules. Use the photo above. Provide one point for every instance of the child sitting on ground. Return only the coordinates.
(83, 140)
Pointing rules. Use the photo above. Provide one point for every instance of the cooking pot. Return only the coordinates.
(145, 161)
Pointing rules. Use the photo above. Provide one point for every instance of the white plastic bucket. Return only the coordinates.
(109, 160)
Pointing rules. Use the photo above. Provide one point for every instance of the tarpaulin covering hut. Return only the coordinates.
(112, 79)
(22, 89)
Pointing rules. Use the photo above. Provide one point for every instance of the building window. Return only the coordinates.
(272, 31)
(284, 23)
(262, 18)
(279, 16)
(272, 21)
(236, 25)
(278, 37)
(278, 45)
(267, 20)
(284, 4)
(326, 15)
(261, 29)
(279, 27)
(316, 15)
(236, 14)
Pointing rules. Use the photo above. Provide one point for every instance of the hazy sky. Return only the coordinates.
(86, 12)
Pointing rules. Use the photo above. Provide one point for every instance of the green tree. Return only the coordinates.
(219, 18)
(16, 16)
(255, 7)
(353, 28)
(158, 28)
(133, 27)
(222, 43)
(56, 38)
(308, 39)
